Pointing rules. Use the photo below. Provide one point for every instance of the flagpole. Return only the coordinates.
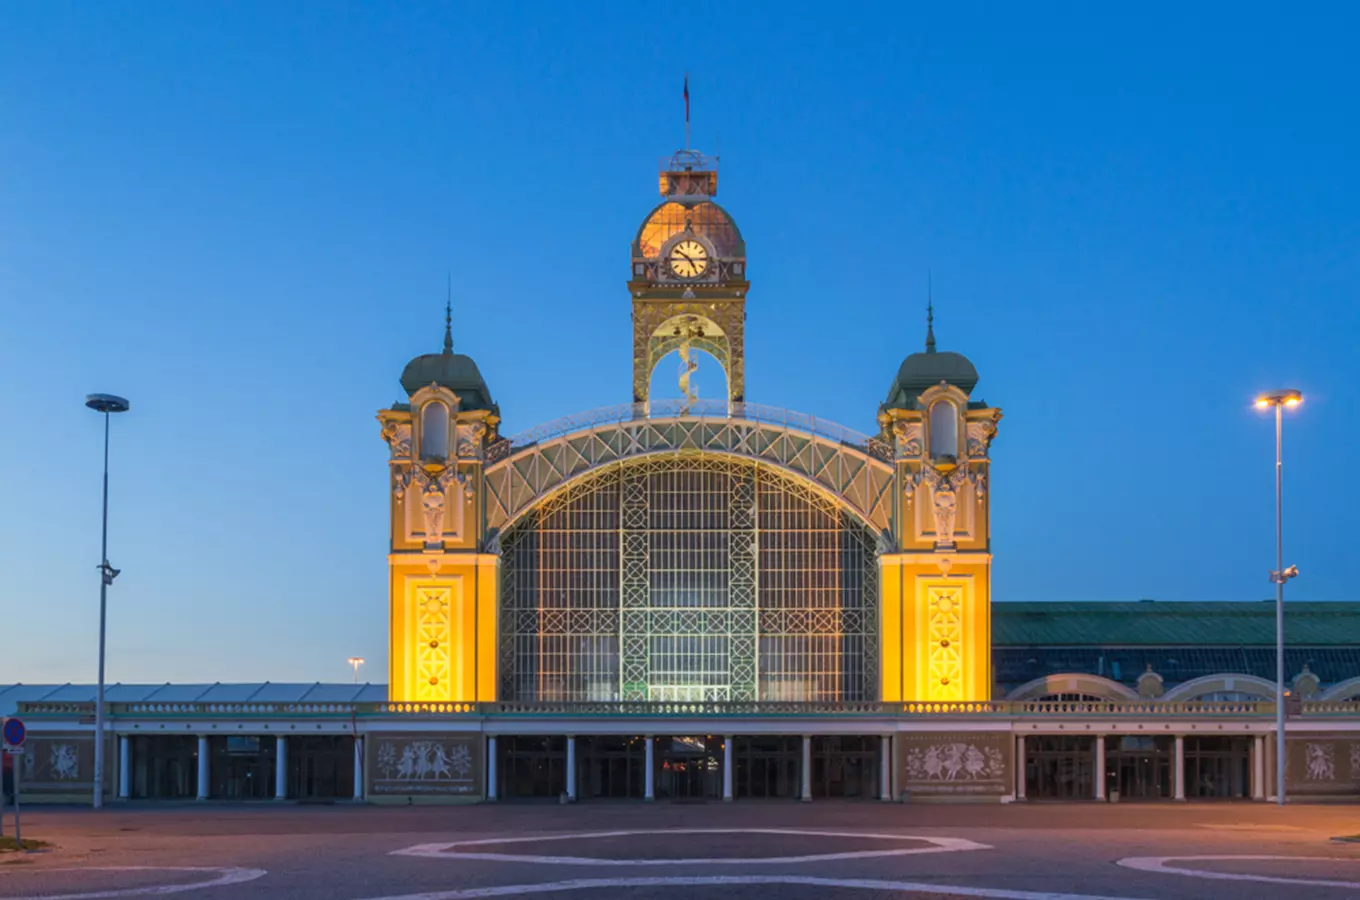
(686, 110)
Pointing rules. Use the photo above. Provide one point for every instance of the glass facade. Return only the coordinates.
(685, 579)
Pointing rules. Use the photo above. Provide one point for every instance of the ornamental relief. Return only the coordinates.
(980, 436)
(398, 438)
(434, 492)
(909, 439)
(1324, 764)
(470, 438)
(957, 763)
(434, 636)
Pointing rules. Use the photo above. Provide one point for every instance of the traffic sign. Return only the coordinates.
(14, 732)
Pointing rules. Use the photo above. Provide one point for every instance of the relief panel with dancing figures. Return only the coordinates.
(426, 765)
(964, 763)
(1323, 764)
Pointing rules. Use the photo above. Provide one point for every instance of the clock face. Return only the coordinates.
(688, 259)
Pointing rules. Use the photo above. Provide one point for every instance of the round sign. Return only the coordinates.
(14, 732)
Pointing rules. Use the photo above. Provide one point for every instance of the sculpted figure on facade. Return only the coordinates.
(944, 495)
(433, 494)
(432, 503)
(1320, 761)
(946, 506)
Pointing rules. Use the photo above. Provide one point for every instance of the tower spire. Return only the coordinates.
(930, 315)
(448, 318)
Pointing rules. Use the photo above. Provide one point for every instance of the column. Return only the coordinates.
(649, 772)
(807, 768)
(491, 768)
(204, 762)
(885, 768)
(728, 741)
(1100, 767)
(358, 767)
(1258, 767)
(571, 768)
(1178, 772)
(124, 767)
(1021, 770)
(281, 768)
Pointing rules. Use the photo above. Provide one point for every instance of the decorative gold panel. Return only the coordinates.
(434, 642)
(945, 640)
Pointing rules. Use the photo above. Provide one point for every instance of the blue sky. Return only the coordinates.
(241, 216)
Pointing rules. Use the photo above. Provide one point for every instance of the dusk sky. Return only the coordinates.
(241, 217)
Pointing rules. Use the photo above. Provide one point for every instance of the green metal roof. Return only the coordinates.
(1169, 623)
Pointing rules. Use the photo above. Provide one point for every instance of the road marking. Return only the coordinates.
(935, 845)
(588, 884)
(227, 875)
(1159, 864)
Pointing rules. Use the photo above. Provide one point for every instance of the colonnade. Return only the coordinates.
(204, 762)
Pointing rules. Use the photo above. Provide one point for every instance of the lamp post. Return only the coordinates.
(356, 662)
(1279, 400)
(106, 404)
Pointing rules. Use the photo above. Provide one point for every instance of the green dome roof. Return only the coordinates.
(449, 370)
(922, 371)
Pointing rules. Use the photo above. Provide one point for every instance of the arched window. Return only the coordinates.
(434, 431)
(944, 429)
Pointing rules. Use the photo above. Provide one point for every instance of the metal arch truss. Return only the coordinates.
(529, 474)
(689, 579)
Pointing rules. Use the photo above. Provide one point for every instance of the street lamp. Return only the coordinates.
(106, 404)
(356, 662)
(1279, 400)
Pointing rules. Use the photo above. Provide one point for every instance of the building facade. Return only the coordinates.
(717, 599)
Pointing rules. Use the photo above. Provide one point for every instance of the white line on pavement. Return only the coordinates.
(1160, 865)
(226, 875)
(449, 849)
(586, 884)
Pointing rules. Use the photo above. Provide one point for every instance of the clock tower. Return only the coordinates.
(688, 283)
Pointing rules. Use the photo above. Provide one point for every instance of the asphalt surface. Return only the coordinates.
(743, 851)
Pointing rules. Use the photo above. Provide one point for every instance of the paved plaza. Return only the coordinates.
(706, 852)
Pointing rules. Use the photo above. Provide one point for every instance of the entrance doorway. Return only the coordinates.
(767, 766)
(1059, 767)
(164, 766)
(321, 767)
(845, 767)
(242, 767)
(1139, 766)
(531, 766)
(690, 768)
(1218, 767)
(610, 767)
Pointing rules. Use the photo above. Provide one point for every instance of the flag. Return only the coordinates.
(686, 98)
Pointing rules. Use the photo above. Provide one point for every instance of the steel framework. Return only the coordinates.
(853, 468)
(695, 577)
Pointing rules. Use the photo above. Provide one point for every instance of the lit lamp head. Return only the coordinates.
(106, 403)
(1279, 398)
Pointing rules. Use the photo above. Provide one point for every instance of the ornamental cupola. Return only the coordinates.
(455, 372)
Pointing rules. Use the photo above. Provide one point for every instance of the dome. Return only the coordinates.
(700, 215)
(922, 371)
(449, 370)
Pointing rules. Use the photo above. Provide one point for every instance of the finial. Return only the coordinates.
(930, 316)
(448, 318)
